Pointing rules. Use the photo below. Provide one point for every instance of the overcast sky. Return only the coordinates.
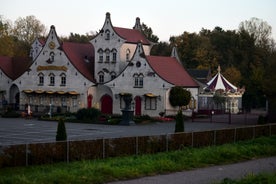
(165, 17)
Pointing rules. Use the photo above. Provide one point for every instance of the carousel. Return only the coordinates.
(220, 96)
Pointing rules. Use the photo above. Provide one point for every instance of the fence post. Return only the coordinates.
(235, 135)
(67, 150)
(27, 159)
(103, 148)
(136, 146)
(167, 142)
(215, 137)
(192, 139)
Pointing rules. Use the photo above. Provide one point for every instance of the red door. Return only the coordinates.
(106, 104)
(138, 105)
(89, 101)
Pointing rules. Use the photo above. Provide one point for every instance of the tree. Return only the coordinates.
(233, 75)
(149, 34)
(74, 37)
(6, 39)
(259, 29)
(179, 97)
(61, 131)
(27, 29)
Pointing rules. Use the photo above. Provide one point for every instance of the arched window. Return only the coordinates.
(62, 79)
(138, 80)
(114, 55)
(40, 79)
(100, 51)
(52, 57)
(127, 55)
(101, 77)
(107, 34)
(107, 55)
(52, 79)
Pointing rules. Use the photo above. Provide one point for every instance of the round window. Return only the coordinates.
(138, 64)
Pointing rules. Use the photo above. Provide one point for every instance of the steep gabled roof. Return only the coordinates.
(82, 57)
(14, 67)
(171, 70)
(132, 35)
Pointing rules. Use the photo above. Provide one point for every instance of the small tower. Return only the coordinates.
(175, 54)
(137, 24)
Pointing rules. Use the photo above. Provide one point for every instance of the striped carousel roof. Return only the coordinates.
(219, 82)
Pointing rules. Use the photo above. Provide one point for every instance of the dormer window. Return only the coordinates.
(107, 34)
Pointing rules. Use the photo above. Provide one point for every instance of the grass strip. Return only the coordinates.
(267, 178)
(112, 169)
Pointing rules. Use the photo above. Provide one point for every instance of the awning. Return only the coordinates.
(150, 95)
(61, 92)
(73, 93)
(28, 91)
(50, 92)
(39, 91)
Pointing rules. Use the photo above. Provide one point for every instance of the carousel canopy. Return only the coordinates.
(218, 82)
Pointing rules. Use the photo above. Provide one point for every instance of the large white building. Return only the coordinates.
(68, 76)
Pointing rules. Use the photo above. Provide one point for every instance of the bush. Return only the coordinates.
(61, 131)
(88, 114)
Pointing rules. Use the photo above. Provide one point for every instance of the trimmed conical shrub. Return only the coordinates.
(61, 131)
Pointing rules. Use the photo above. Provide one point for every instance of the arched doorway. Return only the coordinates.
(138, 105)
(106, 104)
(89, 101)
(14, 97)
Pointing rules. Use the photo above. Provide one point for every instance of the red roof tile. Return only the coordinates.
(77, 54)
(132, 35)
(14, 67)
(171, 70)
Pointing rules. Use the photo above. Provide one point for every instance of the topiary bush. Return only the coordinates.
(61, 131)
(179, 122)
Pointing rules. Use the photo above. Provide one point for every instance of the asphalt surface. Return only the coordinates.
(210, 174)
(26, 131)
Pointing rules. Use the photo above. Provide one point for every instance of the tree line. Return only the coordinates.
(247, 55)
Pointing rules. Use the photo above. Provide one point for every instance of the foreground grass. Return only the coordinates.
(101, 171)
(267, 178)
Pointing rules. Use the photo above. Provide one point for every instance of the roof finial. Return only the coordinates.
(219, 69)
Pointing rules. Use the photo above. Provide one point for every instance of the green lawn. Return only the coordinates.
(101, 171)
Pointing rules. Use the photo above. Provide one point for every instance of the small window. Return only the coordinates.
(40, 79)
(52, 79)
(100, 51)
(113, 75)
(107, 55)
(101, 77)
(107, 34)
(138, 80)
(114, 55)
(127, 55)
(52, 57)
(63, 79)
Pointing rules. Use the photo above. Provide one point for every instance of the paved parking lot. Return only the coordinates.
(22, 131)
